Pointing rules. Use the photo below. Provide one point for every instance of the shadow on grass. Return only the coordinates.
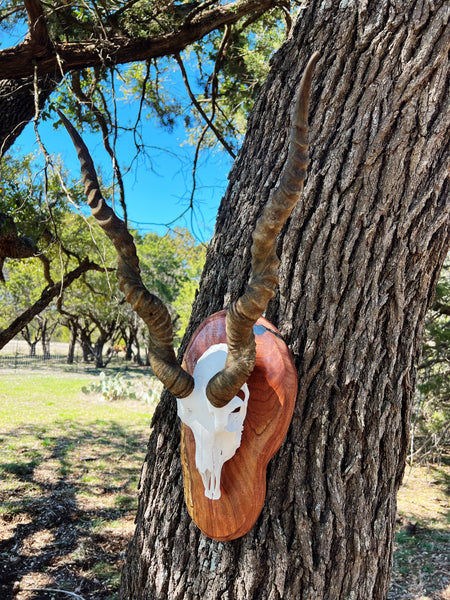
(421, 563)
(67, 502)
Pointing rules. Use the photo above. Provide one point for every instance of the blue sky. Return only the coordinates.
(159, 190)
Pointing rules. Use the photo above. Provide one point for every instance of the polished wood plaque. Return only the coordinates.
(273, 390)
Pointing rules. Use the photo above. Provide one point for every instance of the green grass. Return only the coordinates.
(26, 397)
(69, 469)
(422, 541)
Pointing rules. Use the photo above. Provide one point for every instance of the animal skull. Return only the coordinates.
(217, 431)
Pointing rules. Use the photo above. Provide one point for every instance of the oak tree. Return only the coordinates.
(360, 259)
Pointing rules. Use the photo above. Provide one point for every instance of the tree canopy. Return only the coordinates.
(83, 58)
(229, 43)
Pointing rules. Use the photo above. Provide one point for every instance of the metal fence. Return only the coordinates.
(19, 360)
(16, 355)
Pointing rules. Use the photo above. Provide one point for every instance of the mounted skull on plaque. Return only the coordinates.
(237, 386)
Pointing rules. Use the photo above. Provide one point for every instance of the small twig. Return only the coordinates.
(141, 102)
(116, 167)
(221, 54)
(103, 123)
(29, 589)
(195, 102)
(194, 166)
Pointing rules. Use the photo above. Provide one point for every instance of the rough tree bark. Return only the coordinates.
(18, 106)
(360, 260)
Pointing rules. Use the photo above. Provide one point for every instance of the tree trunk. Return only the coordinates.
(33, 348)
(46, 337)
(137, 355)
(98, 354)
(27, 335)
(86, 343)
(73, 328)
(360, 258)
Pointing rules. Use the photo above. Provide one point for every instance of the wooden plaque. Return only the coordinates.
(273, 390)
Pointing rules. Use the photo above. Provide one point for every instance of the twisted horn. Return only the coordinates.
(148, 306)
(244, 313)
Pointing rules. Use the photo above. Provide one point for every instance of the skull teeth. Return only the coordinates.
(212, 485)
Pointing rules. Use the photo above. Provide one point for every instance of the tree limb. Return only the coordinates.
(46, 297)
(37, 27)
(18, 62)
(103, 124)
(205, 117)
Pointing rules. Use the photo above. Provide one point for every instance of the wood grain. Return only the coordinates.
(273, 390)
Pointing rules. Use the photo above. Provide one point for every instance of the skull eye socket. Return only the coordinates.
(236, 410)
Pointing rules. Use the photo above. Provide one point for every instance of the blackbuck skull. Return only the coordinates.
(209, 397)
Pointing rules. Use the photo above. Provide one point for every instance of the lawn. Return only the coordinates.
(69, 469)
(422, 549)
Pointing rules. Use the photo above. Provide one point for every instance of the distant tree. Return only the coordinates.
(40, 329)
(94, 310)
(34, 226)
(431, 422)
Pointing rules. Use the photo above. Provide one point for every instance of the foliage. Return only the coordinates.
(33, 197)
(23, 287)
(231, 83)
(432, 417)
(171, 266)
(225, 70)
(193, 260)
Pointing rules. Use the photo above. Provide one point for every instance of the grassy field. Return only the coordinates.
(422, 554)
(69, 469)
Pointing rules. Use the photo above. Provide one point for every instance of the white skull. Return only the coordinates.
(217, 431)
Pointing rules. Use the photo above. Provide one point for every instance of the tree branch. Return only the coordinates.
(441, 307)
(205, 117)
(37, 27)
(87, 101)
(46, 297)
(17, 62)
